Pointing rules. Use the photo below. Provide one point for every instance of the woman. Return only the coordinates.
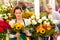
(18, 19)
(54, 16)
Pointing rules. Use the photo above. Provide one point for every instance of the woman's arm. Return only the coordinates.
(15, 36)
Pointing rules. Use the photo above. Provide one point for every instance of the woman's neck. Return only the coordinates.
(19, 20)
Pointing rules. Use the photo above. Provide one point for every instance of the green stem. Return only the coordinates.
(40, 38)
(19, 38)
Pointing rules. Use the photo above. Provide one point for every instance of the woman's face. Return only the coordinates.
(49, 10)
(18, 13)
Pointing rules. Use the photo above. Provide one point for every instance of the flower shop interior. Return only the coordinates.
(29, 19)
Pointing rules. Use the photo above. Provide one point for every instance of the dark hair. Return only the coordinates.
(17, 8)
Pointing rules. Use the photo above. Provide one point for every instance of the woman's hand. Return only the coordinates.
(17, 35)
(27, 32)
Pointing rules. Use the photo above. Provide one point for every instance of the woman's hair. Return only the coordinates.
(17, 7)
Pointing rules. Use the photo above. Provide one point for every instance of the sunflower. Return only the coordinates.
(18, 27)
(42, 30)
(27, 14)
(49, 28)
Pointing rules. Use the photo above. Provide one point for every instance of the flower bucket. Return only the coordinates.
(47, 38)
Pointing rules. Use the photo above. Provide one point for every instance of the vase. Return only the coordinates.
(47, 38)
(58, 26)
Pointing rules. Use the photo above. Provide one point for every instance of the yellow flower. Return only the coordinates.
(48, 28)
(39, 28)
(42, 30)
(0, 9)
(41, 25)
(38, 31)
(18, 28)
(27, 14)
(13, 25)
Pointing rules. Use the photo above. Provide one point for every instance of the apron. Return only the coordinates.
(22, 35)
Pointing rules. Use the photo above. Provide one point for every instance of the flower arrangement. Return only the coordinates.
(4, 9)
(3, 29)
(17, 27)
(27, 14)
(5, 12)
(43, 26)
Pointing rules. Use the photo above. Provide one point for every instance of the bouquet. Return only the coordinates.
(3, 29)
(4, 9)
(27, 14)
(17, 27)
(5, 12)
(46, 27)
(41, 27)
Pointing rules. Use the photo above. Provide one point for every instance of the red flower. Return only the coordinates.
(52, 27)
(1, 30)
(38, 27)
(1, 23)
(4, 24)
(47, 27)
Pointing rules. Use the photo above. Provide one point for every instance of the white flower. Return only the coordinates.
(44, 18)
(9, 14)
(45, 22)
(32, 17)
(1, 15)
(6, 17)
(28, 21)
(39, 20)
(37, 17)
(3, 6)
(27, 10)
(48, 23)
(4, 14)
(49, 16)
(55, 21)
(34, 22)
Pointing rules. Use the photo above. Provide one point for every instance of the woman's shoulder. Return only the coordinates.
(27, 21)
(12, 22)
